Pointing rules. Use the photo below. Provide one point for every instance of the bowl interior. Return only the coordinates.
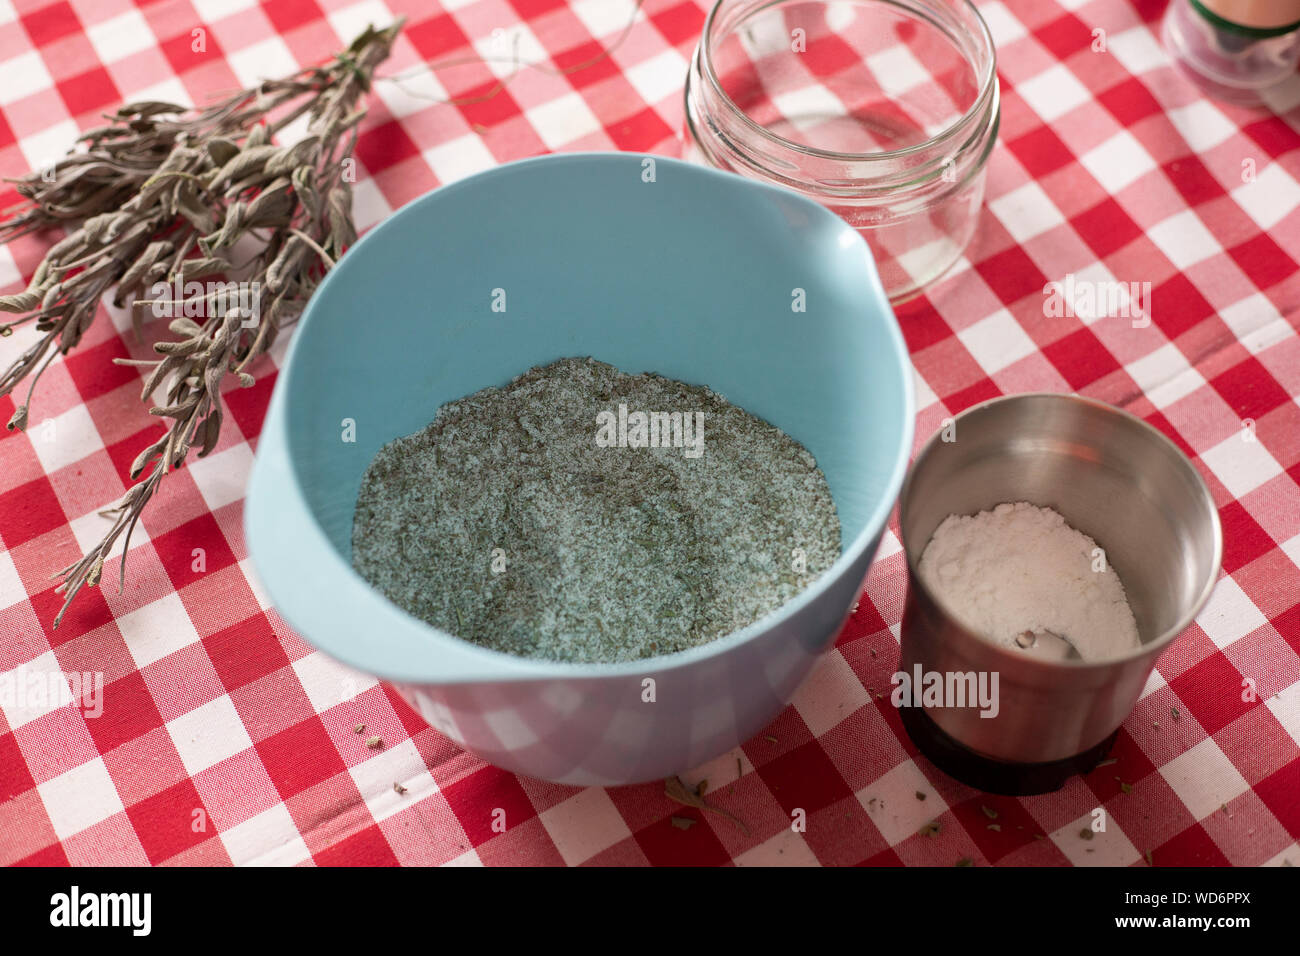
(695, 274)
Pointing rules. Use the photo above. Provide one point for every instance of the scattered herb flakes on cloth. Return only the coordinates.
(674, 789)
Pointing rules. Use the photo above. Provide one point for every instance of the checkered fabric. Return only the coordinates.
(224, 737)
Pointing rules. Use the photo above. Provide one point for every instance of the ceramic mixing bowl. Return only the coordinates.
(648, 264)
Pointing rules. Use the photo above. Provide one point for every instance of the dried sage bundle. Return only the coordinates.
(162, 196)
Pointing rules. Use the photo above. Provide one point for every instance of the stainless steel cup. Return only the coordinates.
(1114, 478)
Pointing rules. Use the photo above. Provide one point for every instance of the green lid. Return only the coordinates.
(1255, 33)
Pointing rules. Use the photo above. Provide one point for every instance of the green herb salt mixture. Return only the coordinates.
(560, 517)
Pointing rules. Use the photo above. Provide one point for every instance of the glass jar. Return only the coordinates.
(1234, 50)
(885, 111)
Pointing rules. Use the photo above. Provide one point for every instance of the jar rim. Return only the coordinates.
(987, 87)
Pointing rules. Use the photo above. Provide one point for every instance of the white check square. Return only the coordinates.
(918, 261)
(11, 586)
(1002, 23)
(121, 36)
(1251, 314)
(24, 75)
(831, 693)
(210, 11)
(564, 120)
(897, 70)
(269, 839)
(1291, 549)
(349, 22)
(89, 531)
(767, 35)
(44, 149)
(1092, 294)
(10, 274)
(925, 396)
(1184, 239)
(170, 90)
(327, 683)
(369, 206)
(412, 91)
(1119, 162)
(158, 629)
(458, 158)
(659, 77)
(32, 689)
(1155, 681)
(809, 105)
(80, 798)
(1202, 125)
(905, 814)
(1053, 93)
(1109, 847)
(584, 825)
(1026, 212)
(787, 848)
(1230, 614)
(997, 341)
(1241, 464)
(603, 17)
(1272, 196)
(1137, 50)
(208, 735)
(400, 764)
(1165, 376)
(1263, 339)
(506, 47)
(222, 477)
(261, 61)
(469, 858)
(1204, 778)
(1285, 707)
(63, 439)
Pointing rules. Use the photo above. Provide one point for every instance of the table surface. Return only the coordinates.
(224, 737)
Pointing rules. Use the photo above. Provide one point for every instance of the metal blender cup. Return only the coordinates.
(1119, 481)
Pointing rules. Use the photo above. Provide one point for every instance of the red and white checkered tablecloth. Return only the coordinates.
(224, 737)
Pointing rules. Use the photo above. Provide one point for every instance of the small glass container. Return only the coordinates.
(885, 111)
(1234, 49)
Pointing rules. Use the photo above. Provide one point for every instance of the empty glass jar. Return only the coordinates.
(883, 110)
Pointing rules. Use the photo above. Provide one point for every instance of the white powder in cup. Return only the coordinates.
(1021, 568)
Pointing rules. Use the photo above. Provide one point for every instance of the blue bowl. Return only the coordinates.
(650, 265)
